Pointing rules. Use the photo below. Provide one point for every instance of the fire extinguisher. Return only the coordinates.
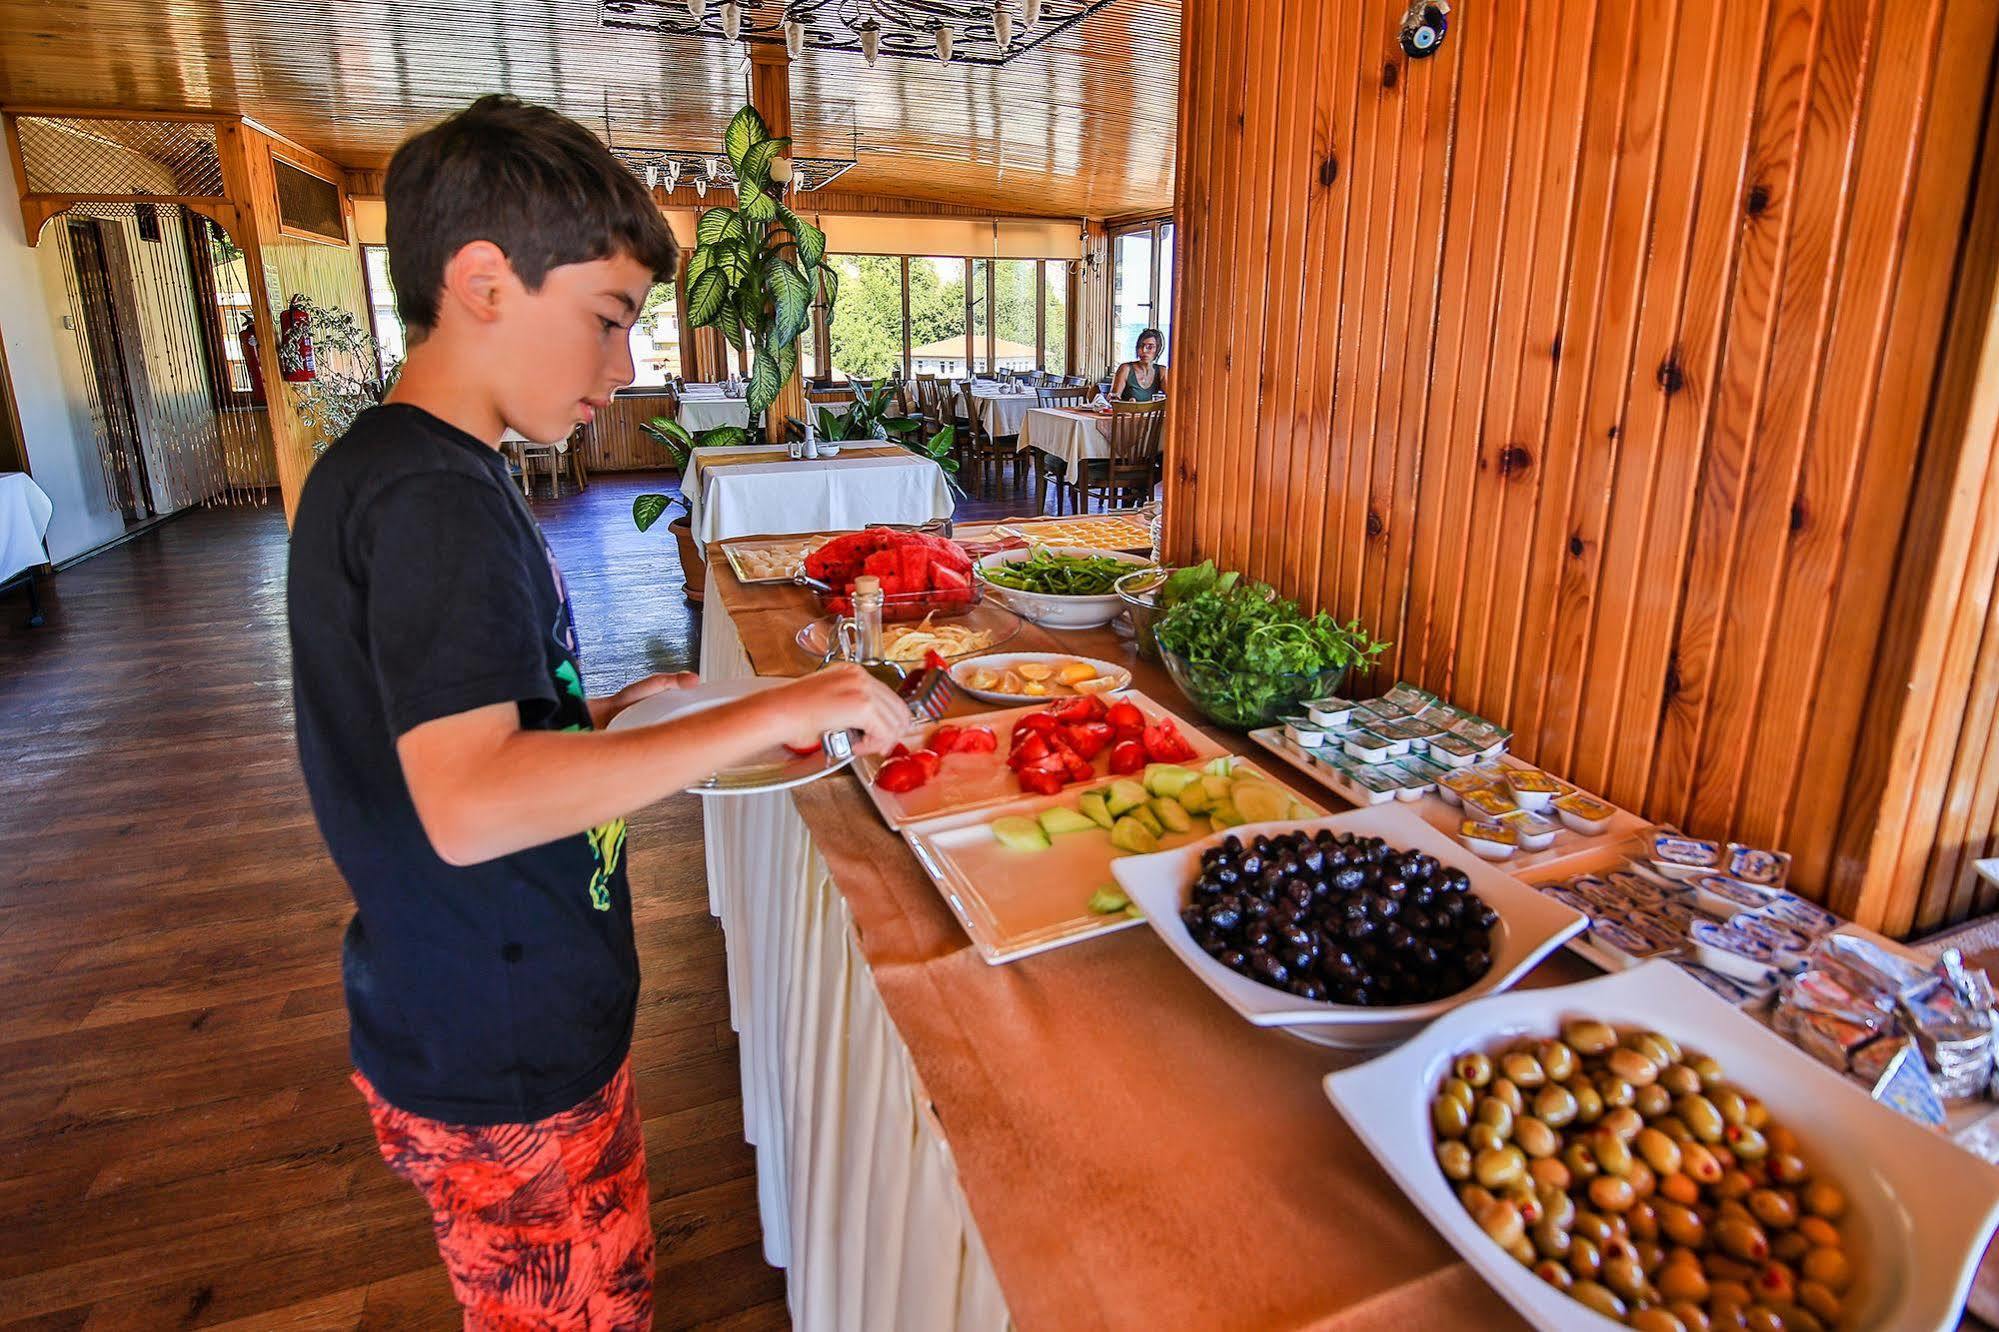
(295, 343)
(246, 338)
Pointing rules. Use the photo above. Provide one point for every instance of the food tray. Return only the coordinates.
(800, 546)
(1014, 904)
(1110, 676)
(1917, 1238)
(1570, 853)
(981, 781)
(1110, 531)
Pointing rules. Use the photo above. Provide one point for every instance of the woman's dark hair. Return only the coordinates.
(531, 181)
(1152, 333)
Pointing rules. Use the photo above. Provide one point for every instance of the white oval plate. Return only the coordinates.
(779, 770)
(1530, 927)
(1921, 1209)
(1115, 677)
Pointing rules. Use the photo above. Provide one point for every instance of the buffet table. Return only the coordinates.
(1085, 1138)
(759, 488)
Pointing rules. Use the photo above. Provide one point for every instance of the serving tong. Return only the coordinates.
(928, 695)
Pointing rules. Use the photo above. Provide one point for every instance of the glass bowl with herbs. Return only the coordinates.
(1244, 655)
(1058, 587)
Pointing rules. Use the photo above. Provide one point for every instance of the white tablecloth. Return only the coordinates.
(24, 522)
(1001, 413)
(699, 414)
(782, 496)
(1067, 435)
(855, 1184)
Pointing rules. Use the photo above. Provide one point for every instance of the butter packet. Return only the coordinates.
(1766, 869)
(1453, 749)
(1680, 851)
(1379, 709)
(1415, 702)
(1478, 731)
(1905, 1085)
(1409, 784)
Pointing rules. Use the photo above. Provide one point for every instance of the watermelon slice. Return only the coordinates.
(882, 564)
(914, 563)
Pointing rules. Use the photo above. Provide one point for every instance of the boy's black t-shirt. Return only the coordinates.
(421, 587)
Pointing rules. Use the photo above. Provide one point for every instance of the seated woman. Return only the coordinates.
(1141, 380)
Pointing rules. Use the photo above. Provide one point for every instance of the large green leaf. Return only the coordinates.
(744, 132)
(672, 436)
(754, 204)
(732, 256)
(750, 308)
(724, 437)
(646, 509)
(731, 325)
(811, 240)
(703, 259)
(755, 166)
(791, 297)
(829, 286)
(718, 224)
(766, 380)
(705, 297)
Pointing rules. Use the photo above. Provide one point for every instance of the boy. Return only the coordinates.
(459, 774)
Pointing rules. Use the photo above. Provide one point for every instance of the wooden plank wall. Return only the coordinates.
(1587, 361)
(614, 443)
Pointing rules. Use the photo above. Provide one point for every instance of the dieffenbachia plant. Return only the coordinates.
(756, 266)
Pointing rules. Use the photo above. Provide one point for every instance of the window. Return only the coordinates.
(382, 316)
(937, 317)
(979, 312)
(921, 315)
(655, 338)
(1164, 301)
(222, 279)
(1016, 289)
(867, 334)
(1055, 316)
(1142, 288)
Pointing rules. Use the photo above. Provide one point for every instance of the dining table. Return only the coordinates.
(1082, 1139)
(1073, 434)
(1000, 411)
(759, 488)
(25, 510)
(708, 406)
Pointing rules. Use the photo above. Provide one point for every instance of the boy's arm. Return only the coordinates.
(483, 787)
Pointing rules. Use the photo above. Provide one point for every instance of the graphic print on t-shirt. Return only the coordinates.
(607, 840)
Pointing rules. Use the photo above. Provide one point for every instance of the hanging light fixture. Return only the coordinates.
(871, 41)
(1033, 8)
(711, 167)
(732, 19)
(996, 31)
(700, 188)
(672, 173)
(942, 37)
(794, 37)
(697, 10)
(652, 175)
(1003, 25)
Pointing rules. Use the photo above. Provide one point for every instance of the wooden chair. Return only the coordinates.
(827, 396)
(1063, 396)
(988, 453)
(930, 403)
(1045, 470)
(1133, 466)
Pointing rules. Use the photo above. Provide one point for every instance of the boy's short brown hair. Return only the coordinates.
(531, 181)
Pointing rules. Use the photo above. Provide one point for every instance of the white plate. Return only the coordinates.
(777, 770)
(1118, 676)
(1049, 609)
(1014, 904)
(1530, 927)
(1921, 1210)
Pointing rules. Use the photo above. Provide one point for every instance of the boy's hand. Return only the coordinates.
(843, 697)
(603, 709)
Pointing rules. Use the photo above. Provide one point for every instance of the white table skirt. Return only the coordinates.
(782, 496)
(24, 523)
(1065, 435)
(856, 1187)
(1002, 413)
(699, 414)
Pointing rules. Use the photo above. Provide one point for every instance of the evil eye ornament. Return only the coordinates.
(1423, 29)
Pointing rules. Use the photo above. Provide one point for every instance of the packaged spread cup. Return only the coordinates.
(1624, 944)
(1381, 709)
(1585, 813)
(1411, 784)
(1488, 840)
(1568, 897)
(1488, 802)
(1636, 890)
(1454, 750)
(1733, 953)
(1535, 833)
(1769, 868)
(1407, 696)
(1679, 857)
(1718, 983)
(1454, 785)
(1799, 914)
(1532, 788)
(1830, 1040)
(1301, 731)
(1723, 897)
(1361, 783)
(1369, 747)
(1789, 949)
(1330, 712)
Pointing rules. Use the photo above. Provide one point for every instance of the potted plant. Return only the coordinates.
(352, 372)
(680, 443)
(756, 267)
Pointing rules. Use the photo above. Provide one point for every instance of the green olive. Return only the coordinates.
(1551, 1241)
(1535, 1138)
(1625, 1276)
(1692, 1316)
(1523, 1071)
(1557, 1060)
(1493, 1111)
(1825, 1199)
(1820, 1299)
(1786, 1167)
(1652, 1101)
(1622, 1120)
(1797, 1318)
(1555, 1105)
(1557, 1206)
(1789, 1246)
(1462, 1090)
(1594, 1227)
(1615, 1091)
(1680, 1080)
(1599, 1298)
(1775, 1209)
(1660, 1152)
(1473, 1197)
(1699, 1164)
(1589, 1038)
(1741, 1239)
(1747, 1143)
(1454, 1159)
(1449, 1117)
(1504, 1089)
(1633, 1066)
(1474, 1068)
(1522, 1251)
(1674, 1128)
(1643, 1182)
(1589, 1101)
(1817, 1230)
(1683, 1281)
(1585, 1257)
(1482, 1136)
(1501, 1220)
(1709, 1070)
(1656, 1320)
(1829, 1268)
(1643, 1219)
(1580, 1161)
(1554, 1274)
(1611, 1194)
(1682, 1225)
(1499, 1166)
(1550, 1173)
(1613, 1156)
(1731, 1105)
(1701, 1118)
(1762, 1318)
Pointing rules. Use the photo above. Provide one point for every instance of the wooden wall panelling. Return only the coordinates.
(1609, 370)
(614, 443)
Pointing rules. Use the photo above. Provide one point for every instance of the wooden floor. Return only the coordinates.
(179, 1146)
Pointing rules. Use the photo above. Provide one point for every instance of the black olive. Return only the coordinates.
(1358, 928)
(1393, 884)
(1257, 935)
(1382, 907)
(1486, 916)
(1348, 878)
(1269, 969)
(1476, 962)
(1313, 860)
(1194, 918)
(1225, 916)
(1234, 959)
(1454, 879)
(1298, 959)
(1255, 908)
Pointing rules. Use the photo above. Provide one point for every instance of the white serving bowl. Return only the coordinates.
(1530, 927)
(1047, 609)
(1920, 1209)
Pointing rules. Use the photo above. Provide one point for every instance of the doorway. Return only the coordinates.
(125, 454)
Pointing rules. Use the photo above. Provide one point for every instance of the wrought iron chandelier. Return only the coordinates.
(974, 32)
(703, 171)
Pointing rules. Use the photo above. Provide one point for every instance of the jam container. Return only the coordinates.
(1302, 732)
(1488, 802)
(1532, 788)
(1734, 954)
(1585, 813)
(1623, 944)
(1535, 833)
(1454, 785)
(1488, 840)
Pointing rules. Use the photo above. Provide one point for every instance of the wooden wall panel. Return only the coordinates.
(614, 443)
(1587, 361)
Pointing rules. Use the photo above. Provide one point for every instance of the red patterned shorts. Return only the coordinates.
(544, 1227)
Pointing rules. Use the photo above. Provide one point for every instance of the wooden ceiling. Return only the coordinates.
(1082, 125)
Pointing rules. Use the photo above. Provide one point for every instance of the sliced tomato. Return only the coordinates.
(804, 751)
(1127, 756)
(1036, 723)
(929, 760)
(1164, 743)
(1090, 738)
(1125, 719)
(945, 738)
(901, 774)
(1080, 769)
(1076, 710)
(1044, 778)
(1031, 749)
(977, 740)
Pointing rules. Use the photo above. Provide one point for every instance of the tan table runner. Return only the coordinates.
(1134, 1154)
(778, 453)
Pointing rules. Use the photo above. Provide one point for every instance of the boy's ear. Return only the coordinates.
(476, 279)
